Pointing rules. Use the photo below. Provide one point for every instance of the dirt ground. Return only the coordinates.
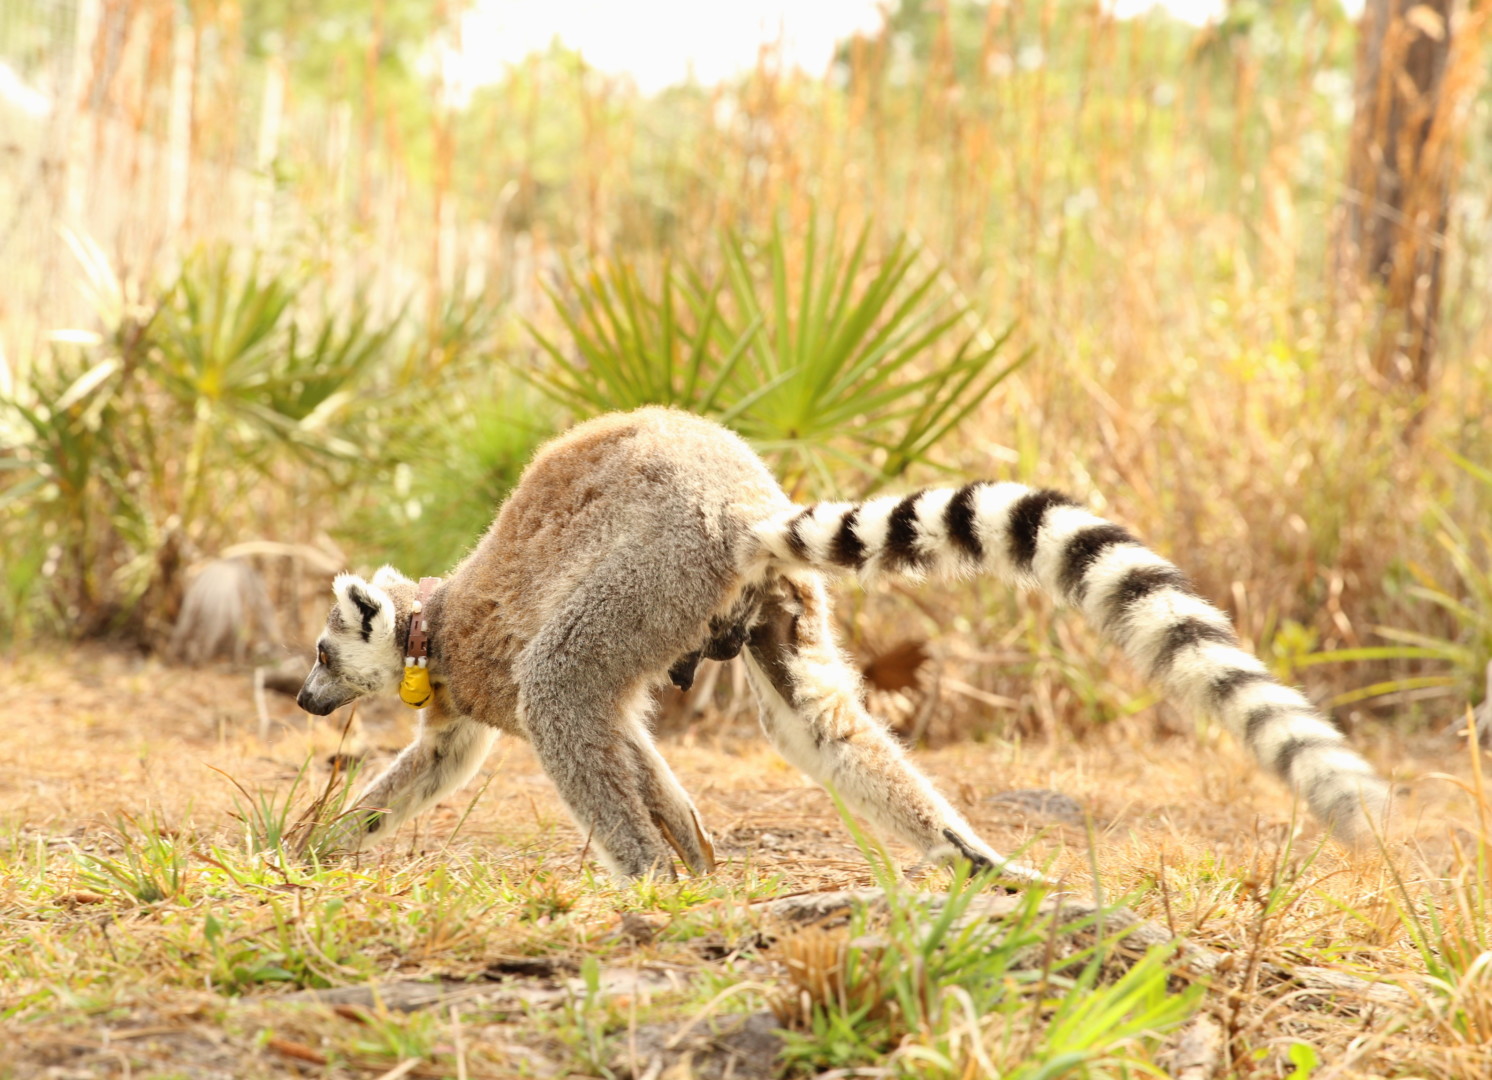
(91, 735)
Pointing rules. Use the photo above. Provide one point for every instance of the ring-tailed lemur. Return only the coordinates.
(638, 543)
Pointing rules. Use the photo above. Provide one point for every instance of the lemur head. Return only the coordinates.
(360, 651)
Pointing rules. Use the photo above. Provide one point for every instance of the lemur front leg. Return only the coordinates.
(446, 753)
(669, 805)
(623, 797)
(811, 710)
(585, 684)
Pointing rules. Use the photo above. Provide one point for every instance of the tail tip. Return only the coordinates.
(1358, 812)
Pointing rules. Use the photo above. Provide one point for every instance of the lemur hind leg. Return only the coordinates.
(446, 754)
(811, 710)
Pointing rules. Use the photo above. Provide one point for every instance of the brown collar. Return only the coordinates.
(418, 646)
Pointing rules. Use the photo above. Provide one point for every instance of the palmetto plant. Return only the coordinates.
(252, 376)
(870, 361)
(817, 356)
(140, 448)
(633, 348)
(58, 455)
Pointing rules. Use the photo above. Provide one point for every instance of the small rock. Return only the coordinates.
(635, 928)
(722, 1046)
(1040, 803)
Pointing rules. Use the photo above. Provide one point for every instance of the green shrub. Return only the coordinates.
(823, 358)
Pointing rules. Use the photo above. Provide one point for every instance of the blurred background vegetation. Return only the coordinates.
(270, 277)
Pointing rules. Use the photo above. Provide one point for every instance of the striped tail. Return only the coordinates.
(1136, 598)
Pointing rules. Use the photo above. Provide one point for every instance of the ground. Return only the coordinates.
(494, 904)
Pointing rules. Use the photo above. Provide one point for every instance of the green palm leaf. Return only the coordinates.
(821, 355)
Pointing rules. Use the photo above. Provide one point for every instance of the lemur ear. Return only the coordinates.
(388, 576)
(364, 606)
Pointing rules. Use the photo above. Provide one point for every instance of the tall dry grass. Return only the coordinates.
(1155, 206)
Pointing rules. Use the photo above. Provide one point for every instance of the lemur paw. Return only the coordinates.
(991, 862)
(355, 831)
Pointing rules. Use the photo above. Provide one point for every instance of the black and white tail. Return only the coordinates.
(1136, 598)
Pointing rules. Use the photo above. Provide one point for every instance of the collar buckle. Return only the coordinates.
(415, 690)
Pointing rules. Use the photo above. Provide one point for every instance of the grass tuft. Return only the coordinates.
(150, 868)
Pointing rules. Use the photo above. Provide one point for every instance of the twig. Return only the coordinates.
(460, 1043)
(298, 1051)
(984, 697)
(404, 1068)
(260, 705)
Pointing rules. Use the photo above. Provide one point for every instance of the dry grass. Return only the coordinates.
(102, 985)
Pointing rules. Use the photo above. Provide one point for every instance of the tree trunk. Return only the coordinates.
(1400, 173)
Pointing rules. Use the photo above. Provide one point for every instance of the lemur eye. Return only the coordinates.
(323, 658)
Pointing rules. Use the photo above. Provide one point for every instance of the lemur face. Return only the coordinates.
(357, 653)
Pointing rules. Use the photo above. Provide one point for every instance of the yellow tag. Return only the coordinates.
(415, 689)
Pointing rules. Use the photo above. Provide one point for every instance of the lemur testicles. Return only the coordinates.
(638, 544)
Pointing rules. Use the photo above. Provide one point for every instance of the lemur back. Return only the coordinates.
(639, 544)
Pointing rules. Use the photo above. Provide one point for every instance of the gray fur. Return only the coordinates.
(637, 544)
